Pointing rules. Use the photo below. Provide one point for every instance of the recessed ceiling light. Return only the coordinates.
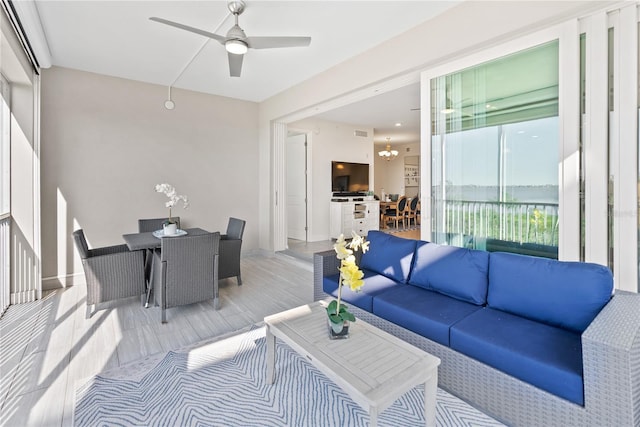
(488, 106)
(534, 136)
(520, 132)
(398, 124)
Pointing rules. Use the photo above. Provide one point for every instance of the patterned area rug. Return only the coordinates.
(222, 383)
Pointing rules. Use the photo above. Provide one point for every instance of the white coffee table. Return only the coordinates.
(372, 366)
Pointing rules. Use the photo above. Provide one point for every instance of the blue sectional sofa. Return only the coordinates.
(528, 340)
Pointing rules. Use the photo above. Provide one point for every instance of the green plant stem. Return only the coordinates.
(339, 295)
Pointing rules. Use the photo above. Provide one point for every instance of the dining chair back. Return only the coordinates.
(111, 272)
(398, 214)
(230, 249)
(148, 225)
(189, 266)
(412, 210)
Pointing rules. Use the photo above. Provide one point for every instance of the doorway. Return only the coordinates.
(297, 186)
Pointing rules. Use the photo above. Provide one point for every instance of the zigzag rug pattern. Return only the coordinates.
(222, 383)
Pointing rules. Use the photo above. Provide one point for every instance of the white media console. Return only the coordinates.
(353, 214)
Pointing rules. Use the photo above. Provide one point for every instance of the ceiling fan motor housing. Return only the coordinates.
(236, 33)
(236, 7)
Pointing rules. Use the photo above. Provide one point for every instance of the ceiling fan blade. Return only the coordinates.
(235, 64)
(221, 39)
(276, 42)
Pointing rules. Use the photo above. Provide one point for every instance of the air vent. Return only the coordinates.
(361, 133)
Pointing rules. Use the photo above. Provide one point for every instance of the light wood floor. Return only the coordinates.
(48, 348)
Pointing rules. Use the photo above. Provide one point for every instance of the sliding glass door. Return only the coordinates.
(494, 154)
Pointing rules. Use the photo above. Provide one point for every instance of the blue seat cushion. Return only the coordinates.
(458, 272)
(374, 284)
(424, 312)
(389, 255)
(560, 293)
(547, 357)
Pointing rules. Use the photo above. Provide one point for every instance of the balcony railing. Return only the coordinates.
(5, 296)
(480, 224)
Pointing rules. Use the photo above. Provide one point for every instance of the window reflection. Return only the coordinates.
(495, 154)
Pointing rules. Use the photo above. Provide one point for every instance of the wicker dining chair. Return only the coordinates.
(111, 272)
(148, 225)
(188, 271)
(230, 246)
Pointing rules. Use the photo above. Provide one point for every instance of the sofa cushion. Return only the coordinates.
(547, 357)
(564, 294)
(424, 312)
(458, 272)
(389, 255)
(374, 283)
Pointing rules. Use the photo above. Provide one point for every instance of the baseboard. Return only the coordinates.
(58, 282)
(22, 297)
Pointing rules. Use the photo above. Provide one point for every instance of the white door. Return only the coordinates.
(296, 187)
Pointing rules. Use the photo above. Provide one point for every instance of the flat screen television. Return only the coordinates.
(349, 177)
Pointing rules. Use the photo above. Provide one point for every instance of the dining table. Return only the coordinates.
(151, 241)
(384, 205)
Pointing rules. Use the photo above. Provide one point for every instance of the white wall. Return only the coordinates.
(106, 142)
(390, 174)
(24, 230)
(454, 34)
(331, 141)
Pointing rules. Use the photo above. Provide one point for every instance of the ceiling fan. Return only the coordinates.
(236, 41)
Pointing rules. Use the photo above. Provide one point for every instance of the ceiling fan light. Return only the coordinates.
(237, 47)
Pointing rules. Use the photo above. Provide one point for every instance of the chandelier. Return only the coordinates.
(388, 153)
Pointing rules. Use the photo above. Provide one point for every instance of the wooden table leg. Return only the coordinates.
(271, 356)
(430, 392)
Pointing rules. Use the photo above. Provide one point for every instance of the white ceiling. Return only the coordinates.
(116, 38)
(382, 112)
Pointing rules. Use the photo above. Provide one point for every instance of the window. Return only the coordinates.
(494, 154)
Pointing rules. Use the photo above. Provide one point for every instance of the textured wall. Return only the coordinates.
(107, 141)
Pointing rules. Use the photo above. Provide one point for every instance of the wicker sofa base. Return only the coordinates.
(611, 358)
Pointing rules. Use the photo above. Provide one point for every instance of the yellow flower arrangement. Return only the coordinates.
(350, 275)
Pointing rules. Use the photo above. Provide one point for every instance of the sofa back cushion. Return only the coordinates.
(389, 255)
(559, 293)
(457, 272)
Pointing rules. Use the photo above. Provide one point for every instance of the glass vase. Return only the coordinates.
(338, 331)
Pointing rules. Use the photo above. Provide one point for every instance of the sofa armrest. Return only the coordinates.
(611, 361)
(324, 264)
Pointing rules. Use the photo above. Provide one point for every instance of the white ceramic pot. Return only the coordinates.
(170, 229)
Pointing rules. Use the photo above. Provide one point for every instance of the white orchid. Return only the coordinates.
(173, 196)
